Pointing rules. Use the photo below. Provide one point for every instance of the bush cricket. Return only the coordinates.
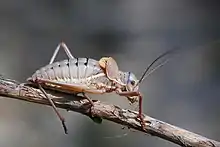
(86, 75)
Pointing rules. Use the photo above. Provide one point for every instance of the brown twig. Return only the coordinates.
(12, 89)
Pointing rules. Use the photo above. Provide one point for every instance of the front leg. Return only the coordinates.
(132, 95)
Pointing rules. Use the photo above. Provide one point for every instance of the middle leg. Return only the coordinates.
(55, 109)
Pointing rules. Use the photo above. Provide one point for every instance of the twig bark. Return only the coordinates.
(13, 89)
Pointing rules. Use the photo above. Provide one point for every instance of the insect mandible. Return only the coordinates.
(86, 75)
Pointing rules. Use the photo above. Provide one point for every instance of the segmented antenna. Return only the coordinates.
(149, 66)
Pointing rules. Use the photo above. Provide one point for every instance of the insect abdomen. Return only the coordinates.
(69, 70)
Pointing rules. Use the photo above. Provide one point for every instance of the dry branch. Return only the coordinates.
(13, 89)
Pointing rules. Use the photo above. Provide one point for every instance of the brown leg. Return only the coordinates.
(135, 93)
(140, 111)
(88, 98)
(55, 109)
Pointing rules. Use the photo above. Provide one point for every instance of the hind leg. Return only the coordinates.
(67, 51)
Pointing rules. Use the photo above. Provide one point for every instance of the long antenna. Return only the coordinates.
(155, 68)
(149, 66)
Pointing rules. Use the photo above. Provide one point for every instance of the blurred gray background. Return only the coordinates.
(185, 92)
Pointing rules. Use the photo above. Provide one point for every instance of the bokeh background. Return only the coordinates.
(185, 92)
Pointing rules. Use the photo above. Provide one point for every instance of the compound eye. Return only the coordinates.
(132, 82)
